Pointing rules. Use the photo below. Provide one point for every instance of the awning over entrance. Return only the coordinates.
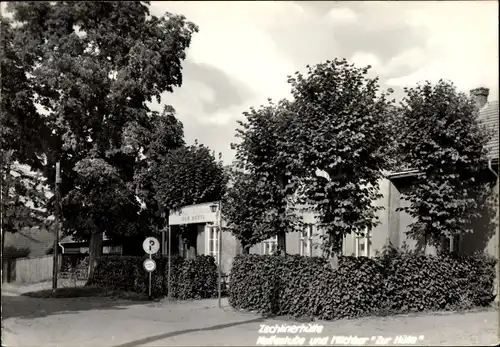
(194, 214)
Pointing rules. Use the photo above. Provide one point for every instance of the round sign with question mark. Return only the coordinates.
(151, 245)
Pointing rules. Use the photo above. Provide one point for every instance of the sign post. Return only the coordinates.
(219, 226)
(56, 229)
(150, 246)
(169, 264)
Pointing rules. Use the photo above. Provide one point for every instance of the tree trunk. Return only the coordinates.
(5, 191)
(282, 241)
(246, 249)
(335, 250)
(4, 232)
(95, 251)
(282, 232)
(190, 241)
(191, 252)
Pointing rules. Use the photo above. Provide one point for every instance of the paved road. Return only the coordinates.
(105, 322)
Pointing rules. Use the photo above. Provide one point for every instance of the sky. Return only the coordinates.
(244, 51)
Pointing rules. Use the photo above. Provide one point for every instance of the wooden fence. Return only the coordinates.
(28, 270)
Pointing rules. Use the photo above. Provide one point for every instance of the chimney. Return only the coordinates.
(480, 96)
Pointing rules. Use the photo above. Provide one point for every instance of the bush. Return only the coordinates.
(400, 283)
(76, 270)
(305, 286)
(197, 279)
(12, 252)
(190, 279)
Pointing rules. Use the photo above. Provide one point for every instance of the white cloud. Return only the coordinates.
(363, 59)
(259, 43)
(343, 15)
(414, 58)
(462, 45)
(233, 37)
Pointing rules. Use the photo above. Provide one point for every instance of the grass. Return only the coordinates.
(87, 291)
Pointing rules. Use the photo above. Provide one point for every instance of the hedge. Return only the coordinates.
(300, 286)
(190, 279)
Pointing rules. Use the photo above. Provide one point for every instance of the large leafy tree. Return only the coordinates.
(93, 67)
(272, 175)
(340, 130)
(184, 176)
(99, 202)
(23, 197)
(443, 140)
(164, 135)
(246, 209)
(189, 175)
(21, 128)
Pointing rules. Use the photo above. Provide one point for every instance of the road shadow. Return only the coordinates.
(19, 306)
(154, 338)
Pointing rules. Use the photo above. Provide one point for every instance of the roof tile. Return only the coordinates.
(489, 116)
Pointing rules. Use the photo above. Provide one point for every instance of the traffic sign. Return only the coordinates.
(151, 245)
(149, 265)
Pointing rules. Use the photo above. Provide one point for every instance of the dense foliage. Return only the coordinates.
(338, 124)
(93, 68)
(263, 154)
(21, 129)
(341, 129)
(188, 175)
(100, 200)
(444, 142)
(11, 252)
(23, 197)
(190, 279)
(246, 210)
(397, 283)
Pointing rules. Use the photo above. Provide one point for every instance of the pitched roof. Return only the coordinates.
(488, 116)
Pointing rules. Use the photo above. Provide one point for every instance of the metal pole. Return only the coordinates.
(163, 242)
(163, 251)
(149, 290)
(220, 254)
(169, 264)
(56, 229)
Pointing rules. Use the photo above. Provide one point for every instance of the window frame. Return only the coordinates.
(268, 245)
(450, 244)
(367, 241)
(213, 240)
(306, 240)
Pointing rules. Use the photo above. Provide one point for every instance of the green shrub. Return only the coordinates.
(12, 252)
(190, 279)
(416, 282)
(252, 282)
(305, 286)
(197, 279)
(115, 272)
(396, 283)
(76, 272)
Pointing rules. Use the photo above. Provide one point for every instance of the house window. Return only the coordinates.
(270, 246)
(213, 243)
(306, 240)
(362, 245)
(450, 244)
(84, 250)
(112, 250)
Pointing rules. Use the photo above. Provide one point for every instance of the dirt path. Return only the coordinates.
(105, 322)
